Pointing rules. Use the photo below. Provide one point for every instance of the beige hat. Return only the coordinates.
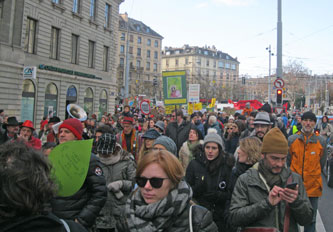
(274, 142)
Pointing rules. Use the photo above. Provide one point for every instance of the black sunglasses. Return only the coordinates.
(155, 182)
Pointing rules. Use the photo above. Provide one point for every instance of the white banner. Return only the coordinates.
(194, 93)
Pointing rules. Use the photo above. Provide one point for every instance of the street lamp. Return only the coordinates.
(270, 54)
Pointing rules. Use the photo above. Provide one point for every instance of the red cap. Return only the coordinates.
(128, 120)
(29, 124)
(74, 125)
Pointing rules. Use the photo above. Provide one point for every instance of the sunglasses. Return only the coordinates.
(155, 182)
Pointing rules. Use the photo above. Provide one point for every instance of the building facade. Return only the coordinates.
(144, 58)
(57, 52)
(216, 72)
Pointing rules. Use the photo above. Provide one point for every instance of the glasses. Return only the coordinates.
(229, 128)
(155, 182)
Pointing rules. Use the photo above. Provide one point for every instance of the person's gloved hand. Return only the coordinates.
(115, 186)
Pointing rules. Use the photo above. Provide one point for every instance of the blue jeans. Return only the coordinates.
(312, 226)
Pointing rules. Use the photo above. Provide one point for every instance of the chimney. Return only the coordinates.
(124, 16)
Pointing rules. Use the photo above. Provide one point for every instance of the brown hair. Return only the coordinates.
(252, 147)
(168, 162)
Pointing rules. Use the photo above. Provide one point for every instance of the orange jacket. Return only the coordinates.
(307, 157)
(246, 111)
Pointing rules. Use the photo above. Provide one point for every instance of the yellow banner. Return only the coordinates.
(175, 101)
(173, 73)
(198, 106)
(212, 103)
(169, 108)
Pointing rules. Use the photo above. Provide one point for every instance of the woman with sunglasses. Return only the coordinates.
(162, 200)
(209, 176)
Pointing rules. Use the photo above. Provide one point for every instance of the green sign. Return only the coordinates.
(70, 164)
(67, 71)
(174, 87)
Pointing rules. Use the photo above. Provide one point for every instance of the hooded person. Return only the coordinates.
(84, 206)
(209, 176)
(119, 169)
(263, 191)
(26, 134)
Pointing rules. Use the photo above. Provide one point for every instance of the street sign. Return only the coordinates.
(145, 107)
(279, 83)
(194, 93)
(279, 110)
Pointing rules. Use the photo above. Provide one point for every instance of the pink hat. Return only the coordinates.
(74, 125)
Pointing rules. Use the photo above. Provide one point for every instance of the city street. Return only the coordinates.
(326, 208)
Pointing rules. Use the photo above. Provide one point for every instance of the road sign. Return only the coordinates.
(145, 107)
(279, 83)
(279, 110)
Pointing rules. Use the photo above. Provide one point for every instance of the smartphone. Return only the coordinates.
(291, 186)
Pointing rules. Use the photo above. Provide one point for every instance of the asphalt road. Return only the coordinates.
(326, 207)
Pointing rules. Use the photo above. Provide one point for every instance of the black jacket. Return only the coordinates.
(179, 134)
(40, 223)
(85, 204)
(211, 189)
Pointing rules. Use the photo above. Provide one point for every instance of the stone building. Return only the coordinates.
(56, 52)
(144, 50)
(216, 72)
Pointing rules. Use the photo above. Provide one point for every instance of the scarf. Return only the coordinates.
(324, 124)
(124, 144)
(271, 178)
(191, 146)
(241, 168)
(160, 215)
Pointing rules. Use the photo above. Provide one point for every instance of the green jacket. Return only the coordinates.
(250, 206)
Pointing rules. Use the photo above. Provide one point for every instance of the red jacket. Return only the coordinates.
(35, 143)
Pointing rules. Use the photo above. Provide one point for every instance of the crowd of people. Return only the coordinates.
(204, 172)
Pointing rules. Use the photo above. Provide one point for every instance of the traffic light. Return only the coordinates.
(279, 96)
(155, 82)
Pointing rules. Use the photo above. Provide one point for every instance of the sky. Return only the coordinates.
(244, 29)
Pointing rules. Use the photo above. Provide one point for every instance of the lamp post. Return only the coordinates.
(270, 54)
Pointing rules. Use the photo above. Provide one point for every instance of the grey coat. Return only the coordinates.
(124, 169)
(250, 206)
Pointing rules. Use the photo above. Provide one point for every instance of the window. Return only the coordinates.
(51, 100)
(107, 15)
(221, 65)
(56, 1)
(155, 67)
(207, 63)
(103, 102)
(76, 6)
(121, 62)
(186, 60)
(131, 38)
(139, 39)
(122, 36)
(148, 66)
(176, 62)
(148, 42)
(167, 62)
(88, 101)
(138, 52)
(227, 76)
(155, 55)
(130, 50)
(92, 11)
(233, 66)
(28, 100)
(1, 8)
(75, 49)
(91, 55)
(227, 65)
(148, 53)
(214, 64)
(156, 43)
(54, 48)
(122, 49)
(106, 59)
(30, 36)
(138, 63)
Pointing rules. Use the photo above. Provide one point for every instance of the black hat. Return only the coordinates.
(11, 121)
(241, 117)
(266, 107)
(54, 119)
(309, 115)
(151, 134)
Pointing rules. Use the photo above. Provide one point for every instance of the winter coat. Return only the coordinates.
(326, 133)
(41, 223)
(210, 190)
(231, 144)
(307, 157)
(184, 154)
(250, 206)
(123, 170)
(217, 127)
(86, 203)
(179, 134)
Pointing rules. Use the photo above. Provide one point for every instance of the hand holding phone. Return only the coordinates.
(291, 186)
